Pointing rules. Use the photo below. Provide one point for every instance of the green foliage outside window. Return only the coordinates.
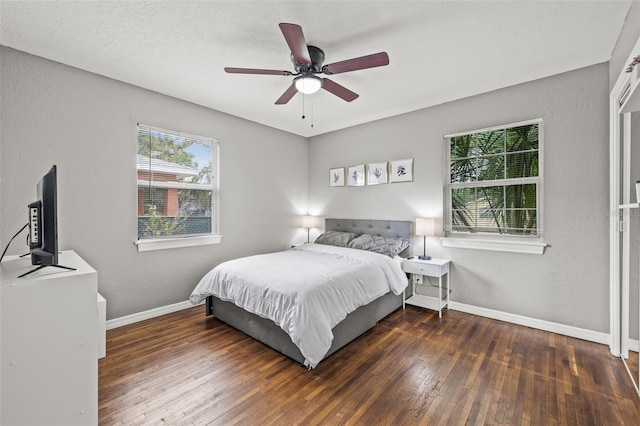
(157, 226)
(494, 181)
(166, 147)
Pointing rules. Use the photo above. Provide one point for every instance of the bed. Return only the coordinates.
(282, 320)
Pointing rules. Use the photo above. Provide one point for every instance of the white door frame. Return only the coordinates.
(620, 206)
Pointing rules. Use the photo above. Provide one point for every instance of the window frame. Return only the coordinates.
(532, 244)
(190, 240)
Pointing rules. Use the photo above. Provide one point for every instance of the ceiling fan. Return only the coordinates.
(308, 61)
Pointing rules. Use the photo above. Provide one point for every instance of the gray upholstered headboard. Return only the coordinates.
(384, 228)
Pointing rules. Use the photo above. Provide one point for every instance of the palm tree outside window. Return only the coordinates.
(494, 182)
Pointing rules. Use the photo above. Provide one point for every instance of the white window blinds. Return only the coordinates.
(177, 183)
(494, 182)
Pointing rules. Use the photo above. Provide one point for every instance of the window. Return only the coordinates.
(177, 178)
(493, 181)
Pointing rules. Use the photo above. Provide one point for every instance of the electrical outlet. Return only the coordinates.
(417, 279)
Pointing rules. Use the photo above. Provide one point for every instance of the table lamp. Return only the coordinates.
(426, 228)
(308, 222)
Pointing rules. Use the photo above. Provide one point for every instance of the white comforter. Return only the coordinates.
(306, 290)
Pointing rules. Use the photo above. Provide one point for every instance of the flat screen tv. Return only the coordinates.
(43, 224)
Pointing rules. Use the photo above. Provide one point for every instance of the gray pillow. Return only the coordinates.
(387, 246)
(335, 238)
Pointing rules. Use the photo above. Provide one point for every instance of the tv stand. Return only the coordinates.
(44, 266)
(48, 344)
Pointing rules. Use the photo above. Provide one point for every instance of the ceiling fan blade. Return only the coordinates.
(363, 62)
(255, 71)
(287, 95)
(338, 90)
(297, 44)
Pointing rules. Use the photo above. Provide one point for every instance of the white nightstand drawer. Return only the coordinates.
(424, 268)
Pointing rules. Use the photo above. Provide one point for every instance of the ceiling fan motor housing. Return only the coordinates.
(317, 59)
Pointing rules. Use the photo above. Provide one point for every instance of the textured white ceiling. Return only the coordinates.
(439, 50)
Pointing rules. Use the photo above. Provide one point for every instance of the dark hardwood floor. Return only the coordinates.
(412, 368)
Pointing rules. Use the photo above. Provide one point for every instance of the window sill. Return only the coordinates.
(510, 246)
(171, 243)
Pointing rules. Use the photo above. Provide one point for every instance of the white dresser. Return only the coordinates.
(49, 347)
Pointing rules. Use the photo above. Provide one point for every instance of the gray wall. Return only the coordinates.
(627, 39)
(86, 125)
(569, 283)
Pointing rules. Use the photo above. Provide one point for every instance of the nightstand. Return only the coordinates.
(437, 268)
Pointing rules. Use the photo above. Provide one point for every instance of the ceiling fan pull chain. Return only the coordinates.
(303, 106)
(311, 112)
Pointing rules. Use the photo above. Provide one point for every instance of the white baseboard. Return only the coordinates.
(145, 315)
(565, 330)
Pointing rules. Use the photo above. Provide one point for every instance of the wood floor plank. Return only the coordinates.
(412, 368)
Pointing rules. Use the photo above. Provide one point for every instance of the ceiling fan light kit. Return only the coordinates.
(307, 84)
(308, 61)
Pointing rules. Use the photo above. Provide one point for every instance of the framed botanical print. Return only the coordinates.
(336, 177)
(355, 175)
(376, 173)
(401, 170)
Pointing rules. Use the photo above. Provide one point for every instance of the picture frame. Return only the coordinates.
(377, 173)
(401, 170)
(336, 177)
(356, 176)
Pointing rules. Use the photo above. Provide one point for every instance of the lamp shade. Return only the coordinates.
(425, 226)
(308, 84)
(308, 222)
